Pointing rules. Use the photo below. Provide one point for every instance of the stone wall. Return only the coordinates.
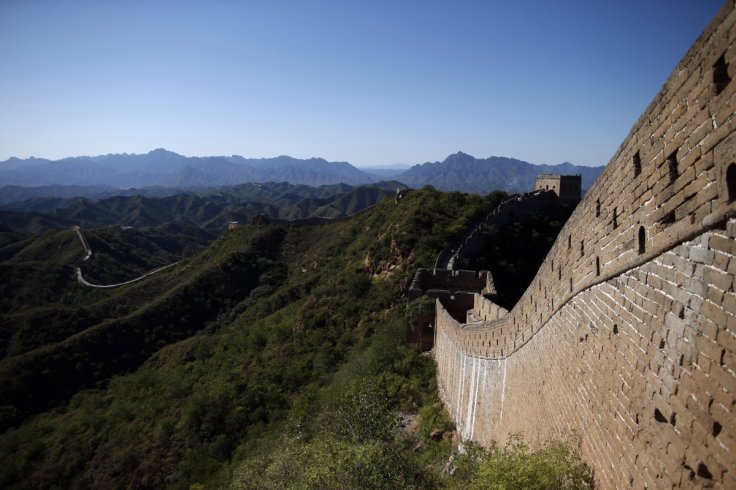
(567, 187)
(627, 334)
(448, 280)
(485, 310)
(473, 240)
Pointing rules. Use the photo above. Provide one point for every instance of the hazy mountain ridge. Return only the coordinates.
(463, 172)
(157, 172)
(165, 168)
(15, 194)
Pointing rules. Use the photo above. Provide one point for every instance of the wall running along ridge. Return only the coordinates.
(473, 239)
(627, 334)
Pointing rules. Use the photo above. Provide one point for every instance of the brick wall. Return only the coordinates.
(627, 334)
(453, 256)
(449, 280)
(485, 309)
(567, 187)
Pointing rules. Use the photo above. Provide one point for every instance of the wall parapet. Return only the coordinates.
(485, 310)
(450, 280)
(482, 341)
(473, 240)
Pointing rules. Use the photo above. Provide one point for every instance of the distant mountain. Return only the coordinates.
(463, 172)
(168, 169)
(385, 171)
(16, 194)
(160, 173)
(210, 210)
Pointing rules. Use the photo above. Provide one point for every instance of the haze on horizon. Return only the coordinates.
(371, 83)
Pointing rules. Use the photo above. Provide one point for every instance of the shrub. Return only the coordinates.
(555, 465)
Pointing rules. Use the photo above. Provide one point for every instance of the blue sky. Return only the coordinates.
(369, 82)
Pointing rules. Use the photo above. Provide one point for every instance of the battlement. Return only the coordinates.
(473, 240)
(566, 187)
(451, 281)
(556, 176)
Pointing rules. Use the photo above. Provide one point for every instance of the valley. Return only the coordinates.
(81, 365)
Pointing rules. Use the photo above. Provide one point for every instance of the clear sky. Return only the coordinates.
(370, 82)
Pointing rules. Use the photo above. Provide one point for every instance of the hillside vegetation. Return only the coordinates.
(274, 358)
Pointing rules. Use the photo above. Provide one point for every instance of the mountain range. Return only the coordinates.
(166, 170)
(209, 211)
(463, 172)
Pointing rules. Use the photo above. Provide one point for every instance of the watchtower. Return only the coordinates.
(567, 187)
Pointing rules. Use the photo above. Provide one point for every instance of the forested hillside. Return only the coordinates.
(274, 358)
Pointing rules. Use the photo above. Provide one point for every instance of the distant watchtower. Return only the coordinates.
(567, 187)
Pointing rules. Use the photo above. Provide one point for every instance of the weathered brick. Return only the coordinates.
(724, 378)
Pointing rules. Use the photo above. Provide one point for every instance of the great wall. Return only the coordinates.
(473, 240)
(88, 254)
(627, 334)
